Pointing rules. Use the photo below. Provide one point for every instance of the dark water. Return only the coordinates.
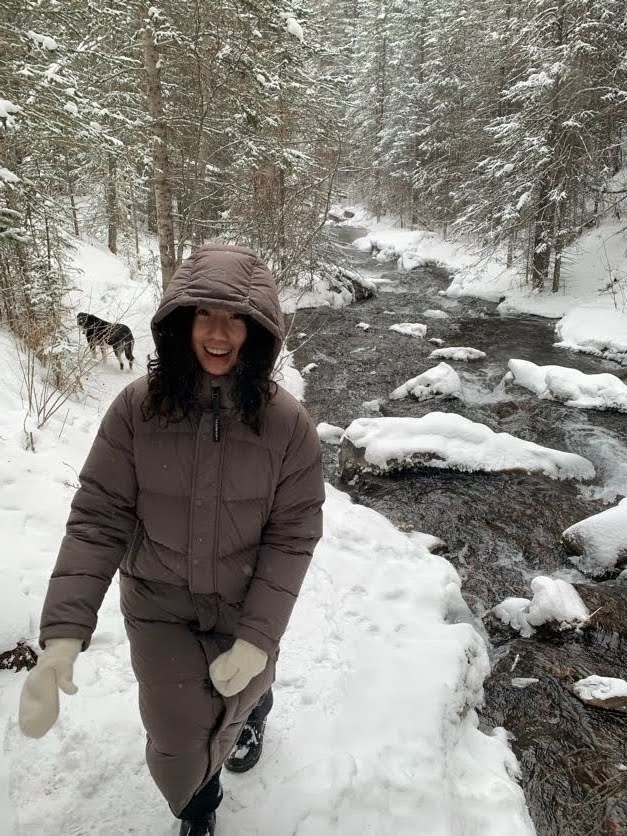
(500, 530)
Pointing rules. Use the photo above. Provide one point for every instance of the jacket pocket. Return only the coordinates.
(128, 561)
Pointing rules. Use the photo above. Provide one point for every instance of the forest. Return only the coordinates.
(245, 120)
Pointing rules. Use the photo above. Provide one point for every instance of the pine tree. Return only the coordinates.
(46, 121)
(555, 133)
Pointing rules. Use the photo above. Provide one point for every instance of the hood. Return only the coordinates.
(233, 278)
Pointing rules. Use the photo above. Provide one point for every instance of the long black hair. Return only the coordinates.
(175, 376)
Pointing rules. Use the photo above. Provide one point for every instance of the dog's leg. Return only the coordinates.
(128, 350)
(118, 353)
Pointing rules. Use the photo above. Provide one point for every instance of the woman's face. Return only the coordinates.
(217, 337)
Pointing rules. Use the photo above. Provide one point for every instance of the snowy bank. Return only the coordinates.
(594, 330)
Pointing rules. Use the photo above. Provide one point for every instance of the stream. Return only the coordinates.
(499, 530)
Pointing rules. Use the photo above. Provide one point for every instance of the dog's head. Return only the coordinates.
(81, 318)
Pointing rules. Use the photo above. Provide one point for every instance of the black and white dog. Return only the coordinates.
(101, 333)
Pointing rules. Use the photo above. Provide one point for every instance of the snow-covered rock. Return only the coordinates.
(602, 692)
(363, 245)
(440, 380)
(329, 433)
(554, 600)
(358, 287)
(409, 329)
(449, 441)
(458, 353)
(372, 407)
(599, 543)
(570, 386)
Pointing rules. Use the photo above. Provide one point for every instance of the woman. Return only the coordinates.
(204, 487)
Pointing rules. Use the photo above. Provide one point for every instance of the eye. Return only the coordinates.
(237, 316)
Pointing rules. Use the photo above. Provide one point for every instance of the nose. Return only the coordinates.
(217, 327)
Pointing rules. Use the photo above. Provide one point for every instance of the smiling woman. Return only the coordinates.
(217, 336)
(204, 487)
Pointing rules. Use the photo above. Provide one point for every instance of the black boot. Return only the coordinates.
(204, 827)
(247, 750)
(198, 818)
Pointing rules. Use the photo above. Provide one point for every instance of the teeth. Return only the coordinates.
(218, 352)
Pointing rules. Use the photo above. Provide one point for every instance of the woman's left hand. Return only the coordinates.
(232, 671)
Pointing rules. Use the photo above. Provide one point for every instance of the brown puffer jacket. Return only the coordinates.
(211, 534)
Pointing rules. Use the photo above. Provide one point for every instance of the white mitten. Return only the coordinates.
(39, 701)
(232, 671)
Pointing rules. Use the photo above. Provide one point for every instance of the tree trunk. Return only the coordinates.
(111, 202)
(559, 247)
(281, 237)
(48, 243)
(161, 165)
(510, 248)
(381, 87)
(557, 269)
(151, 211)
(542, 237)
(135, 225)
(70, 188)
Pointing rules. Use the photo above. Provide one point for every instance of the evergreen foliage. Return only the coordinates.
(236, 120)
(501, 121)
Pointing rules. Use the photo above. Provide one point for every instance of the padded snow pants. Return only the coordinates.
(190, 727)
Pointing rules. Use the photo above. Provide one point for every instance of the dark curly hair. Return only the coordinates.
(175, 376)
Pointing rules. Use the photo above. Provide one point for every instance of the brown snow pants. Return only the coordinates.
(190, 727)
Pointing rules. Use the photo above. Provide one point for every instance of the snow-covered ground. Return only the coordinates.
(374, 730)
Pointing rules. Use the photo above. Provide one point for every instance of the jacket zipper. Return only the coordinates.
(216, 515)
(215, 409)
(190, 548)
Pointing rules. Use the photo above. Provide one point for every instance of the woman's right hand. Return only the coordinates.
(39, 701)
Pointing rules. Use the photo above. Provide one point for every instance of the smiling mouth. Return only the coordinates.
(217, 352)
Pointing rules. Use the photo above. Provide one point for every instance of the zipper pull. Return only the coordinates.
(215, 409)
